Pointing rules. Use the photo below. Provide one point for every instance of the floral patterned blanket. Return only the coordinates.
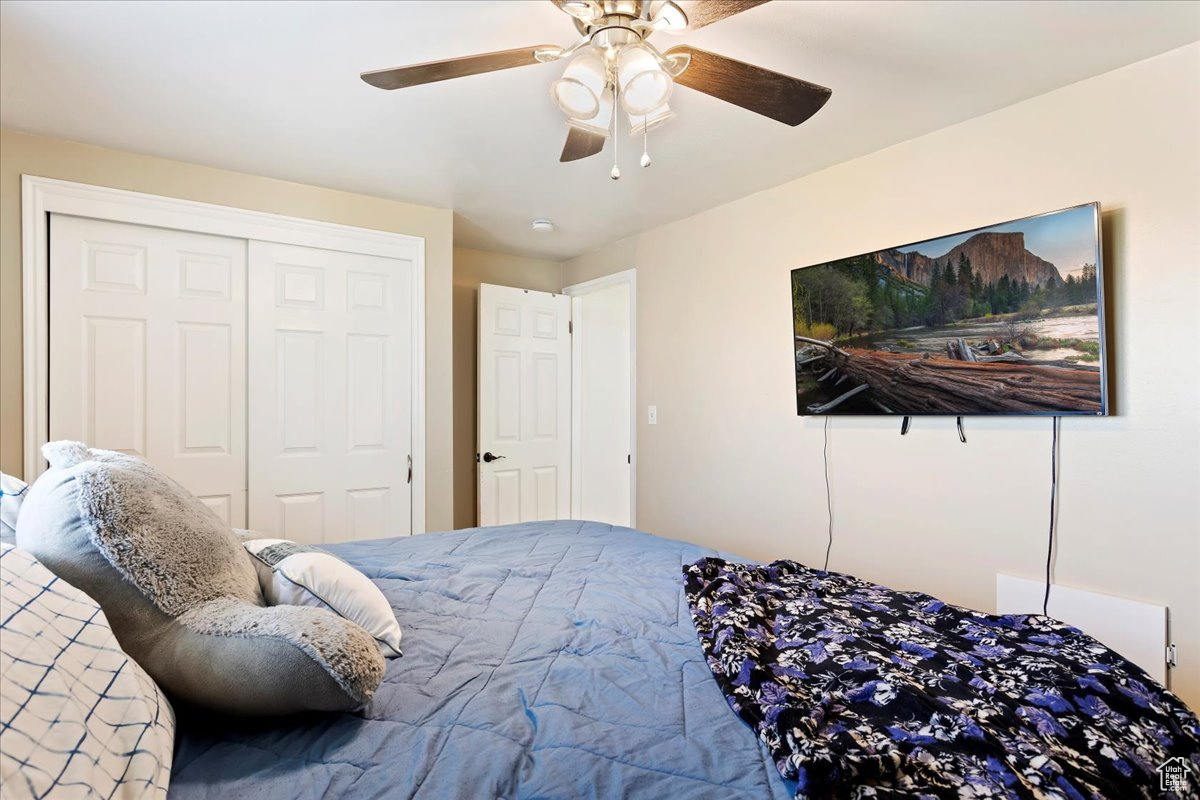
(862, 691)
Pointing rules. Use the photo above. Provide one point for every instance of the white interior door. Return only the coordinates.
(330, 393)
(147, 351)
(602, 404)
(524, 405)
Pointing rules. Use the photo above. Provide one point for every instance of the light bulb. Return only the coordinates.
(601, 123)
(644, 84)
(615, 174)
(657, 117)
(645, 159)
(579, 90)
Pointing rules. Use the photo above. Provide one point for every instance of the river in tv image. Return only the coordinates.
(998, 320)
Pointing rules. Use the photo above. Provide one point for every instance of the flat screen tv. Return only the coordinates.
(1006, 319)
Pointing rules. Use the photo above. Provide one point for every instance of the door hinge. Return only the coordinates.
(570, 326)
(1172, 657)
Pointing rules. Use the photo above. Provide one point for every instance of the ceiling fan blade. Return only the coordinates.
(706, 12)
(431, 71)
(782, 98)
(581, 144)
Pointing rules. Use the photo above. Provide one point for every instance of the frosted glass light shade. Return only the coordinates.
(659, 116)
(644, 84)
(601, 120)
(669, 17)
(580, 90)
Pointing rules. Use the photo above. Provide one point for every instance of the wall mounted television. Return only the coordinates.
(1004, 319)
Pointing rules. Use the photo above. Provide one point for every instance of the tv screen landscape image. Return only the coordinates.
(1006, 319)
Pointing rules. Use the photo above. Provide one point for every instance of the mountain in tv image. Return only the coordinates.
(991, 256)
(999, 320)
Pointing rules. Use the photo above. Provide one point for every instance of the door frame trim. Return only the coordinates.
(575, 291)
(41, 197)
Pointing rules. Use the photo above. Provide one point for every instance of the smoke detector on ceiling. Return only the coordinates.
(542, 226)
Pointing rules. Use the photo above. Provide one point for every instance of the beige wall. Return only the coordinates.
(731, 465)
(471, 268)
(52, 158)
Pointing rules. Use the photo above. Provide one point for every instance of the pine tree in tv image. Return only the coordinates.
(1006, 319)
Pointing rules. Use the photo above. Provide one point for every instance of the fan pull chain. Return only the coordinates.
(645, 141)
(616, 171)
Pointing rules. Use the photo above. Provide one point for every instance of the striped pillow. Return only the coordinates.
(78, 717)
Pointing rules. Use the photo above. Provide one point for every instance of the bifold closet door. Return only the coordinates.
(330, 383)
(147, 351)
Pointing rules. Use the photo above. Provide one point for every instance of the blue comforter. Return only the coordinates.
(547, 660)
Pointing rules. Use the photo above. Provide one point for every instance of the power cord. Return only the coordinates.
(1054, 457)
(828, 495)
(1053, 512)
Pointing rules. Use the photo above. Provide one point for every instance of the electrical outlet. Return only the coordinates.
(652, 415)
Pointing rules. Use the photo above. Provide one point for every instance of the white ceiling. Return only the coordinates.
(272, 88)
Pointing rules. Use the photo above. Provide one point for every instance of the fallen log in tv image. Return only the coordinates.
(855, 381)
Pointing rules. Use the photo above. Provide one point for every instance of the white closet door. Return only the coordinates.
(330, 394)
(524, 405)
(147, 351)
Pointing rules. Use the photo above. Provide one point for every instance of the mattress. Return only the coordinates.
(543, 660)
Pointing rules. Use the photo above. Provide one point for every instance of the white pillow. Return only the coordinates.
(293, 574)
(12, 492)
(78, 717)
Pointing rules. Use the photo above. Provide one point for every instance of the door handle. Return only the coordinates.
(410, 467)
(489, 458)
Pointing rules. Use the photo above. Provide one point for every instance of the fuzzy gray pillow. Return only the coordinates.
(181, 593)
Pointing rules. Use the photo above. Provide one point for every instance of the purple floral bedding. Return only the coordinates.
(862, 691)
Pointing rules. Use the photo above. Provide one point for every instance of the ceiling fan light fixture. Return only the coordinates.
(669, 17)
(655, 119)
(644, 84)
(577, 7)
(646, 91)
(598, 122)
(613, 60)
(576, 100)
(579, 91)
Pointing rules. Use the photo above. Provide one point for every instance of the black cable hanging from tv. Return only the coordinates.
(1053, 513)
(1054, 457)
(828, 495)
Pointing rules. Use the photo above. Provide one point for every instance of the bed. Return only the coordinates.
(544, 660)
(548, 660)
(575, 659)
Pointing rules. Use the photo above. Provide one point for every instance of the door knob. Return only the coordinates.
(489, 458)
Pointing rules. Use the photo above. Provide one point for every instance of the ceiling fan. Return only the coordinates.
(613, 65)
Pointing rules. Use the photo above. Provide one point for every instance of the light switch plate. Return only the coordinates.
(652, 415)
